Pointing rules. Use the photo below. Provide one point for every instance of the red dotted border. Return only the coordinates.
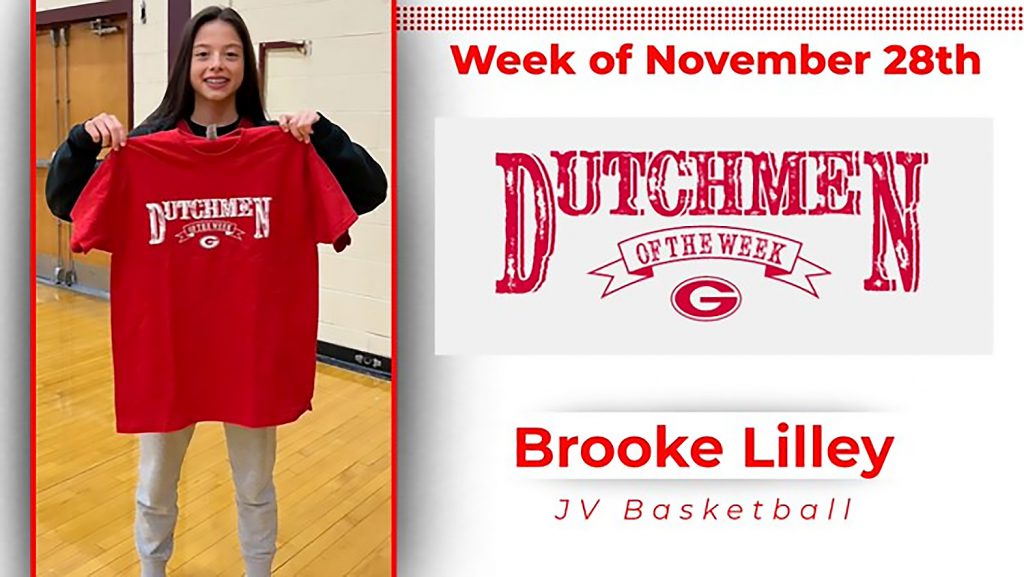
(708, 18)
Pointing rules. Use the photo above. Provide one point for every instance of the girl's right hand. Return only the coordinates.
(106, 130)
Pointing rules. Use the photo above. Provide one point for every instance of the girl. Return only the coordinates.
(213, 87)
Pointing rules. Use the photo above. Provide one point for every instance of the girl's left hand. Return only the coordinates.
(300, 124)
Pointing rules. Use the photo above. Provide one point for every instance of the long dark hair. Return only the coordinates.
(180, 98)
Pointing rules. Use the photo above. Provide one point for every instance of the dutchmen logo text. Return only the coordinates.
(208, 219)
(689, 190)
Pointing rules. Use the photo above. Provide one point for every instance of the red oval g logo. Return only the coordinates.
(209, 241)
(706, 298)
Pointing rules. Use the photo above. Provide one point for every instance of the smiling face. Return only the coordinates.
(217, 63)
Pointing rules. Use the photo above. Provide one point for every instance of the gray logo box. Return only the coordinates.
(949, 311)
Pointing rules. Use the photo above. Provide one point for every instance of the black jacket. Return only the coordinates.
(359, 175)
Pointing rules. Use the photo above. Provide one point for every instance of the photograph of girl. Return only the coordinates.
(215, 268)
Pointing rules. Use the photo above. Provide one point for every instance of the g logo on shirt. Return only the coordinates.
(722, 296)
(209, 241)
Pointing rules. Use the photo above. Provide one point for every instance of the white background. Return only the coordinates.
(951, 505)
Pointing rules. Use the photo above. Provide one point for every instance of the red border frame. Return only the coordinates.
(394, 292)
(32, 289)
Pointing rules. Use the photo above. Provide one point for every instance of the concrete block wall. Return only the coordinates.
(149, 56)
(347, 77)
(52, 4)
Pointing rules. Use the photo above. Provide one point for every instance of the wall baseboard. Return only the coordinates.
(354, 360)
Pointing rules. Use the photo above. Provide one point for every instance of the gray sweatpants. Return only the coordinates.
(251, 452)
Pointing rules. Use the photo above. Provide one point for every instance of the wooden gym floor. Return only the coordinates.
(333, 468)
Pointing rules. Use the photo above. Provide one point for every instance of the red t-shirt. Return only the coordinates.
(213, 274)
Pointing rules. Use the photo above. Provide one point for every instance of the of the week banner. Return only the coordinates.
(709, 288)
